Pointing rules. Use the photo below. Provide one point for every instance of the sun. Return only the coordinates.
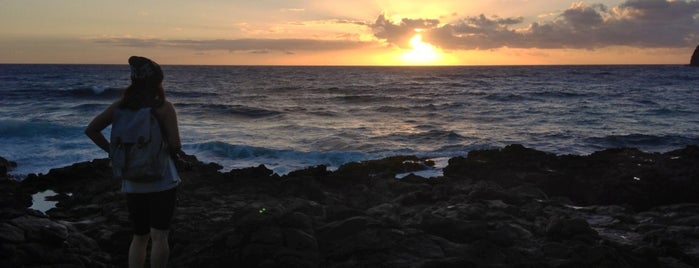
(421, 53)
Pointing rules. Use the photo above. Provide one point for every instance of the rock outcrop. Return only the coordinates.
(695, 58)
(513, 207)
(6, 166)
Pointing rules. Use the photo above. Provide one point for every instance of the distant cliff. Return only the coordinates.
(695, 58)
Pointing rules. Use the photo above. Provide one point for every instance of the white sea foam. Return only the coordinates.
(99, 89)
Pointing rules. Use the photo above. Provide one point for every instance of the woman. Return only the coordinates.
(151, 205)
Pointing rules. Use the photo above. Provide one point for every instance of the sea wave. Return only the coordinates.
(361, 99)
(507, 97)
(560, 94)
(89, 107)
(94, 91)
(25, 129)
(427, 137)
(216, 110)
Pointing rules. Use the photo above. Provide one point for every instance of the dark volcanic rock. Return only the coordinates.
(614, 176)
(6, 166)
(695, 58)
(514, 207)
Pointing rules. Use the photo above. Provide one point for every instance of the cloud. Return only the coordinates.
(249, 45)
(356, 22)
(399, 34)
(636, 23)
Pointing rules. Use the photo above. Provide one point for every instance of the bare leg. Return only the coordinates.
(160, 251)
(137, 250)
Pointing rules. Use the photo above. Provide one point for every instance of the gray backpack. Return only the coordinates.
(137, 146)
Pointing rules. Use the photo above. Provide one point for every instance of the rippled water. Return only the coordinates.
(291, 117)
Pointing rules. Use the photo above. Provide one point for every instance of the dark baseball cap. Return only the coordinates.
(143, 68)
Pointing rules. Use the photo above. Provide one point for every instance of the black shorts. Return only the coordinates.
(151, 210)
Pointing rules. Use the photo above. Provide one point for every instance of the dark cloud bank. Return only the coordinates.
(635, 23)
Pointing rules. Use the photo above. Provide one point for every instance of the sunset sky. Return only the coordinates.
(330, 32)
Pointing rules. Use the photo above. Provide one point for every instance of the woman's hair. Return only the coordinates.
(146, 89)
(143, 93)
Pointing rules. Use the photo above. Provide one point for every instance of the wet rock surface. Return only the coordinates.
(513, 207)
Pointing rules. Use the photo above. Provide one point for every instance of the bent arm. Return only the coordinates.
(99, 123)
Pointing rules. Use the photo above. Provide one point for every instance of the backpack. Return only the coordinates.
(137, 146)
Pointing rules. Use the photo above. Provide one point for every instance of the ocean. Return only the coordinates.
(292, 117)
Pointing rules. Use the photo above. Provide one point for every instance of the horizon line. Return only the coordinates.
(360, 65)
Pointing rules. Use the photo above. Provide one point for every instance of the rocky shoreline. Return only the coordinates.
(512, 207)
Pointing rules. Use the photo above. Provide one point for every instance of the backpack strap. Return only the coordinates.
(175, 155)
(163, 134)
(154, 112)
